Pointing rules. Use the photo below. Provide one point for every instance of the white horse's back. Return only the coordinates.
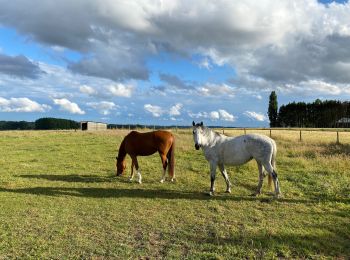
(241, 149)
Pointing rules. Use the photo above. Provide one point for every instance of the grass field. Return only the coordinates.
(59, 199)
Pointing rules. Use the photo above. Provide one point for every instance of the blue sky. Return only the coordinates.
(170, 62)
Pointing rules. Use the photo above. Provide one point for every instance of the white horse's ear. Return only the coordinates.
(201, 124)
(193, 123)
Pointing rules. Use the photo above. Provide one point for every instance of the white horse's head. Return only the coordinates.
(198, 136)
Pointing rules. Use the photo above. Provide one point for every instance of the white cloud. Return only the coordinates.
(205, 63)
(156, 111)
(221, 114)
(175, 110)
(284, 40)
(214, 115)
(103, 107)
(210, 89)
(226, 116)
(198, 115)
(68, 106)
(255, 116)
(120, 90)
(22, 105)
(311, 87)
(87, 90)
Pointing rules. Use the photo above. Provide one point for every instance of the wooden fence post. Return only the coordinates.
(300, 139)
(270, 133)
(245, 132)
(338, 138)
(223, 130)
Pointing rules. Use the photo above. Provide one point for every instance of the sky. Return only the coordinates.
(164, 62)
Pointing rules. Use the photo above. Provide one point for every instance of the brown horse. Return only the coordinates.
(144, 144)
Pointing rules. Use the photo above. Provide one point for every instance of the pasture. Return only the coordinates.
(59, 198)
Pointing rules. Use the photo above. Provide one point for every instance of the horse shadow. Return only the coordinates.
(92, 192)
(143, 192)
(168, 194)
(84, 178)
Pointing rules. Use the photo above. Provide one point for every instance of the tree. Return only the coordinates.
(48, 123)
(273, 107)
(317, 114)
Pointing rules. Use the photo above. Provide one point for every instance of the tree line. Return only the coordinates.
(47, 123)
(318, 114)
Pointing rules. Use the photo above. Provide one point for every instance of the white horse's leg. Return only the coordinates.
(212, 177)
(225, 175)
(261, 179)
(272, 172)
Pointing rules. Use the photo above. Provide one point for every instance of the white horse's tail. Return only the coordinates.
(273, 163)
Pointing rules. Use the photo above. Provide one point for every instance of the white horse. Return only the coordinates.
(221, 150)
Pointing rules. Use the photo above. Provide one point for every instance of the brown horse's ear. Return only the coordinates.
(193, 123)
(201, 124)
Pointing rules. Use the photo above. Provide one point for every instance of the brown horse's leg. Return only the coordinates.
(132, 171)
(135, 162)
(165, 164)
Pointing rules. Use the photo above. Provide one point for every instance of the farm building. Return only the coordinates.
(92, 126)
(343, 122)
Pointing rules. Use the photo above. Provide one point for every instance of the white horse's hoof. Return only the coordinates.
(130, 180)
(139, 181)
(161, 181)
(173, 180)
(228, 191)
(278, 195)
(211, 193)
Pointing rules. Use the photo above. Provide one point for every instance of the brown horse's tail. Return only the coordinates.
(171, 160)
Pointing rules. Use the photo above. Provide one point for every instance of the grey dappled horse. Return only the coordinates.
(221, 150)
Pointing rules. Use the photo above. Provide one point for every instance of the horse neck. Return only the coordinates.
(122, 152)
(211, 138)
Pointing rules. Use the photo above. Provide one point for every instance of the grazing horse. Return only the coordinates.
(144, 144)
(221, 150)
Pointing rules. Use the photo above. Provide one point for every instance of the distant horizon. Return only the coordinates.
(170, 62)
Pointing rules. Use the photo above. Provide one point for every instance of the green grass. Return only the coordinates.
(59, 199)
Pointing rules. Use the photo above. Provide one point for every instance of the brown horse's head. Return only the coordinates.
(121, 165)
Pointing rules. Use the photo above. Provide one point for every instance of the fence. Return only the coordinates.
(334, 135)
(301, 134)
